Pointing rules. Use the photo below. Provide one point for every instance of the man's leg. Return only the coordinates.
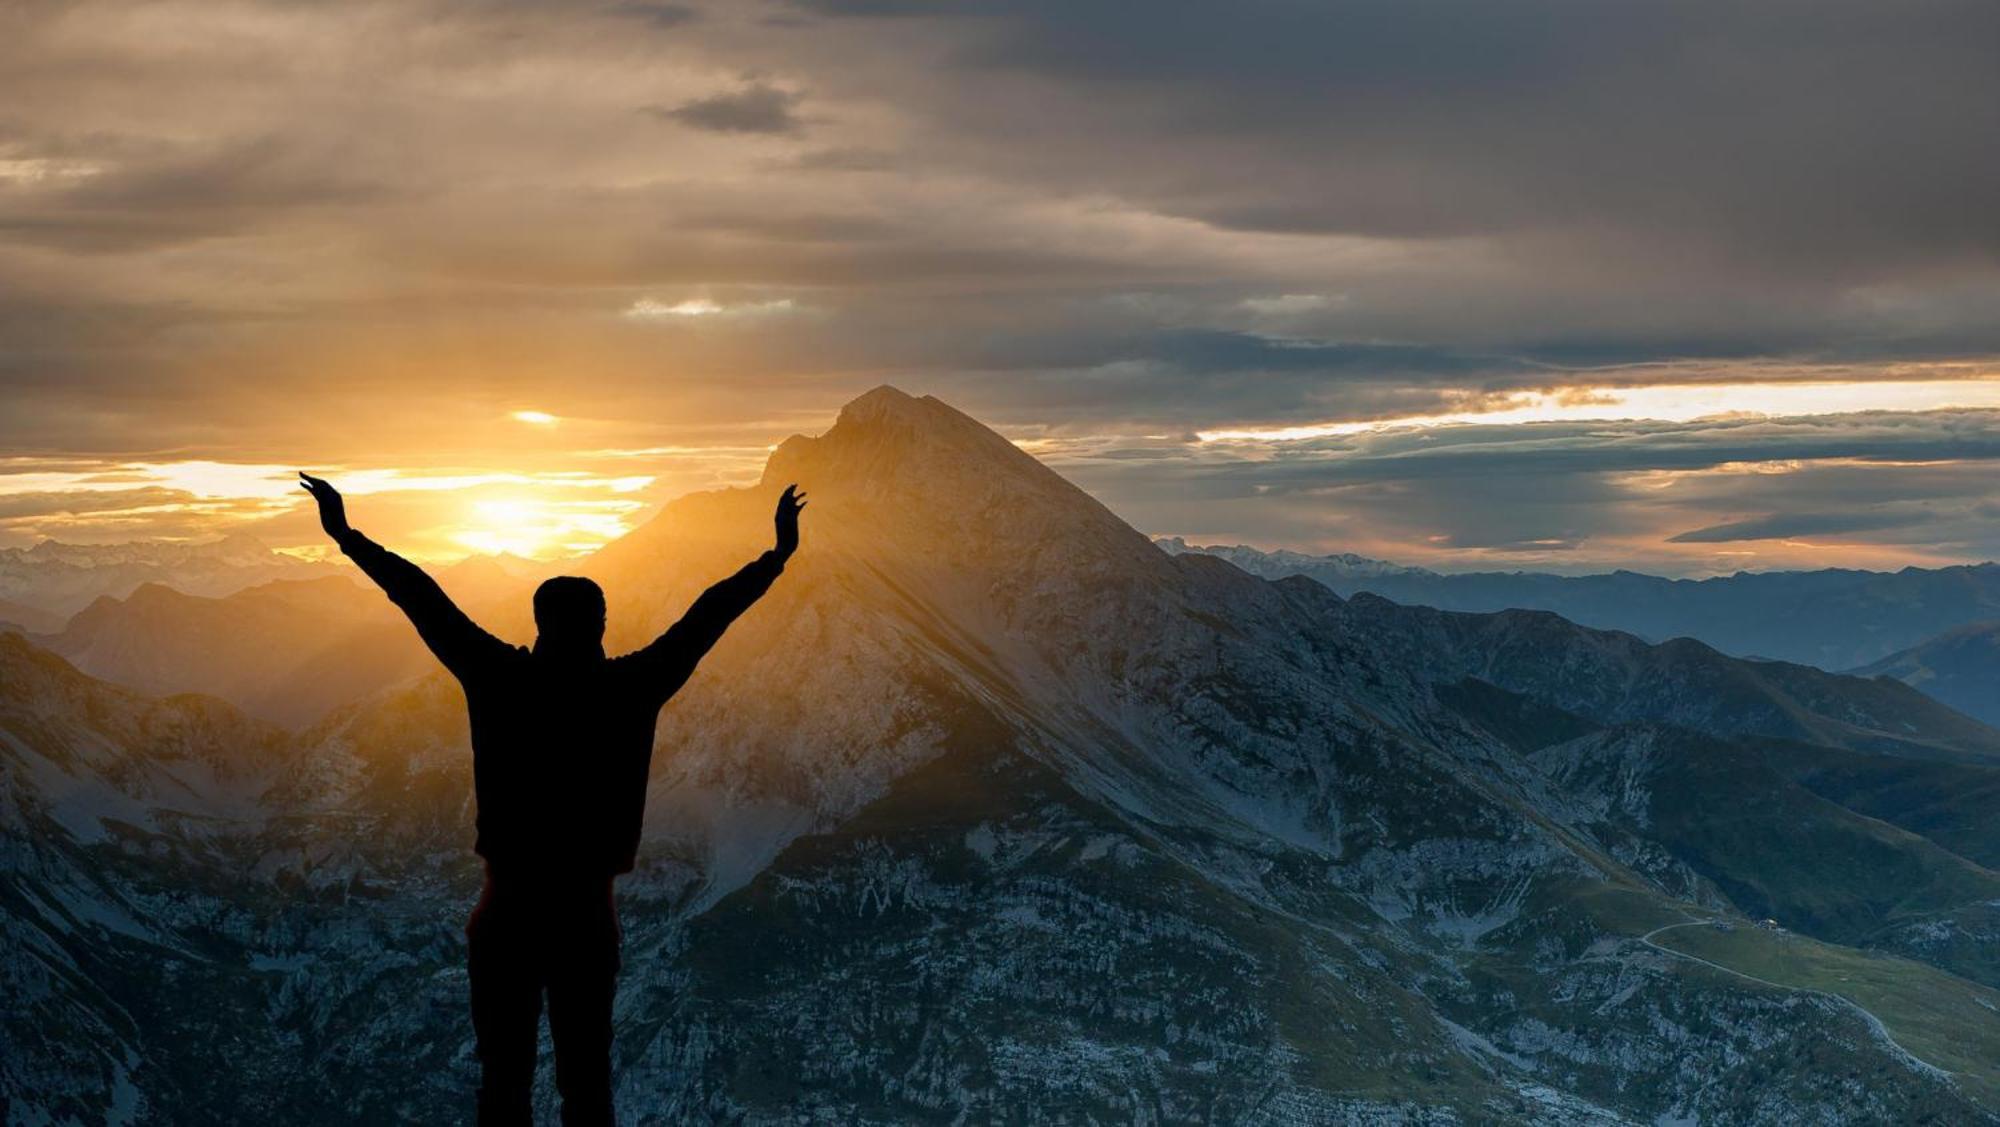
(506, 1009)
(582, 978)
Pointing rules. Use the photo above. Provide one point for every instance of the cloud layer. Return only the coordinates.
(367, 235)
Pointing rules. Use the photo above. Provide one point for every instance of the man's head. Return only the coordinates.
(569, 612)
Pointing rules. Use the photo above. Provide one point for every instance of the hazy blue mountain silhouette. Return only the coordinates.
(1835, 618)
(1960, 667)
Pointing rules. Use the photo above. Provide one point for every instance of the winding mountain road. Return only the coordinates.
(1874, 1023)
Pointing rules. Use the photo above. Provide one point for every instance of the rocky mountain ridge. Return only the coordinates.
(59, 579)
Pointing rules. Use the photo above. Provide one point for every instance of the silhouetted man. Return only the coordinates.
(561, 740)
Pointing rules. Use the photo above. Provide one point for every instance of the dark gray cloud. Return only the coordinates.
(144, 197)
(1877, 489)
(70, 503)
(658, 15)
(757, 108)
(1747, 129)
(1780, 526)
(1473, 453)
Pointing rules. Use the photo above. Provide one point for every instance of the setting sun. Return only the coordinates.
(542, 529)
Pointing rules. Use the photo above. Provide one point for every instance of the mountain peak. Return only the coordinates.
(888, 433)
(907, 478)
(883, 399)
(886, 405)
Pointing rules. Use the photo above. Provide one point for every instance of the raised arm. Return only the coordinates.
(668, 662)
(457, 641)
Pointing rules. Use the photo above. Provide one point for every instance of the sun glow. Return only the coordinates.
(535, 418)
(430, 515)
(541, 529)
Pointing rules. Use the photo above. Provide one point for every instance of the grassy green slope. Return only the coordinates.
(1939, 1018)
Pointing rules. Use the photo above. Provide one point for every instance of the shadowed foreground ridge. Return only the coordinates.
(995, 810)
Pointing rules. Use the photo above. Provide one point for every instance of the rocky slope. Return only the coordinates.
(992, 810)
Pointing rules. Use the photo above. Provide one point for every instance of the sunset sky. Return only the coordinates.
(1685, 287)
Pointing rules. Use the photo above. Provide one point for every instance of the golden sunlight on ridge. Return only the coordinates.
(1675, 403)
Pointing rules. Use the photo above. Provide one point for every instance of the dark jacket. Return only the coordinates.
(561, 744)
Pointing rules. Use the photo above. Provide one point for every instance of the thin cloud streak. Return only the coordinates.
(1667, 403)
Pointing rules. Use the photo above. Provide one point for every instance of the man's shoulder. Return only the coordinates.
(632, 659)
(627, 665)
(501, 659)
(639, 672)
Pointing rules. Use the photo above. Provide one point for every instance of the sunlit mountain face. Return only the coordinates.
(1685, 288)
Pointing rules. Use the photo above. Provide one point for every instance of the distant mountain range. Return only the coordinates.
(285, 650)
(1834, 619)
(56, 580)
(993, 811)
(22, 617)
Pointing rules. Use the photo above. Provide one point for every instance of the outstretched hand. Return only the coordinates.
(789, 505)
(332, 510)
